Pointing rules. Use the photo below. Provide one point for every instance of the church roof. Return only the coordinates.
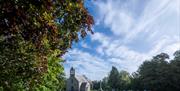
(81, 78)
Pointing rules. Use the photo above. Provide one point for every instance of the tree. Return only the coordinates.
(175, 71)
(105, 85)
(96, 85)
(177, 55)
(135, 82)
(124, 80)
(154, 74)
(34, 34)
(113, 79)
(157, 74)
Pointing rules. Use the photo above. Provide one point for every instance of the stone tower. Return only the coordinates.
(72, 72)
(77, 82)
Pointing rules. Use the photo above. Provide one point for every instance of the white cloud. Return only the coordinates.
(100, 50)
(119, 22)
(85, 62)
(163, 43)
(84, 45)
(170, 49)
(120, 19)
(103, 39)
(154, 10)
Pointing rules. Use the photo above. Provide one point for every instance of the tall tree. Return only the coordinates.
(113, 80)
(153, 74)
(34, 34)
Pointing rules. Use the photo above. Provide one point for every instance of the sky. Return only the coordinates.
(126, 33)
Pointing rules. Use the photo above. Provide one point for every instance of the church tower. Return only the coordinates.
(72, 72)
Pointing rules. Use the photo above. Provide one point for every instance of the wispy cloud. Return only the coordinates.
(85, 63)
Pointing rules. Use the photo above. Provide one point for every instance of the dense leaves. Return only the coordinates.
(113, 80)
(34, 34)
(42, 22)
(116, 80)
(153, 73)
(158, 74)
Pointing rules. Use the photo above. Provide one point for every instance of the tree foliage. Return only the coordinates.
(33, 35)
(153, 73)
(116, 80)
(105, 85)
(113, 80)
(124, 80)
(96, 85)
(160, 75)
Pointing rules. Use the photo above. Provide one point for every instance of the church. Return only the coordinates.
(77, 82)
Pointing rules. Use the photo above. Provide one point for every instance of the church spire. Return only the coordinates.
(72, 72)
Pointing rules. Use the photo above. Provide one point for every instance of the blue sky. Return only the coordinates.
(126, 32)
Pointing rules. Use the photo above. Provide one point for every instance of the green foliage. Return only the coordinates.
(53, 80)
(96, 85)
(116, 80)
(16, 62)
(153, 73)
(124, 80)
(34, 34)
(135, 82)
(105, 85)
(159, 75)
(175, 71)
(113, 79)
